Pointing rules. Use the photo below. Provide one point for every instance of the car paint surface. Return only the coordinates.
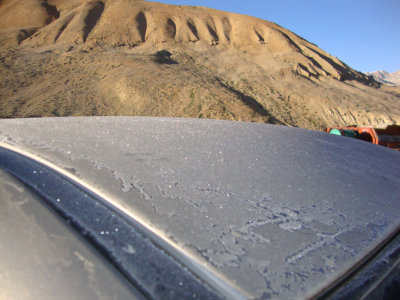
(269, 210)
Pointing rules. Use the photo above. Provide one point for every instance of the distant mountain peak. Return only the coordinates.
(386, 77)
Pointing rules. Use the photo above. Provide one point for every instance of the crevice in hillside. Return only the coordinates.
(338, 67)
(64, 25)
(260, 38)
(227, 28)
(259, 31)
(171, 28)
(192, 27)
(315, 63)
(212, 29)
(289, 40)
(51, 11)
(343, 72)
(25, 33)
(305, 73)
(92, 18)
(141, 24)
(250, 102)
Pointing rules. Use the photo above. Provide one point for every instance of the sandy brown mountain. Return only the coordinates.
(125, 57)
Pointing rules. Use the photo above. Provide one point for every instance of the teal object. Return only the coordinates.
(335, 131)
(344, 132)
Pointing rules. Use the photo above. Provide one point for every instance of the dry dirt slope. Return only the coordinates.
(125, 57)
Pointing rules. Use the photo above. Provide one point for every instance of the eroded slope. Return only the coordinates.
(128, 57)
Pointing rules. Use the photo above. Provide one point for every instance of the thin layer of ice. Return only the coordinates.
(278, 211)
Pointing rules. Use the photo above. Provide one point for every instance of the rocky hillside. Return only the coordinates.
(126, 57)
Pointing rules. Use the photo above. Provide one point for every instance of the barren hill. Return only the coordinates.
(126, 57)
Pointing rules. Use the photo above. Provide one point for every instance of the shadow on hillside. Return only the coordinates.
(251, 103)
(164, 57)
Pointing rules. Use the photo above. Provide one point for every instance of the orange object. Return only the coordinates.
(388, 136)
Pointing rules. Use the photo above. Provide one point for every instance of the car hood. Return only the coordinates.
(272, 211)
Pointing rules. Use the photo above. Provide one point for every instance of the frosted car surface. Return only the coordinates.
(272, 211)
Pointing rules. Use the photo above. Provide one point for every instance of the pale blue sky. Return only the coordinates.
(365, 34)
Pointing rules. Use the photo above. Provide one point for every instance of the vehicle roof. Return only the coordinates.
(271, 210)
